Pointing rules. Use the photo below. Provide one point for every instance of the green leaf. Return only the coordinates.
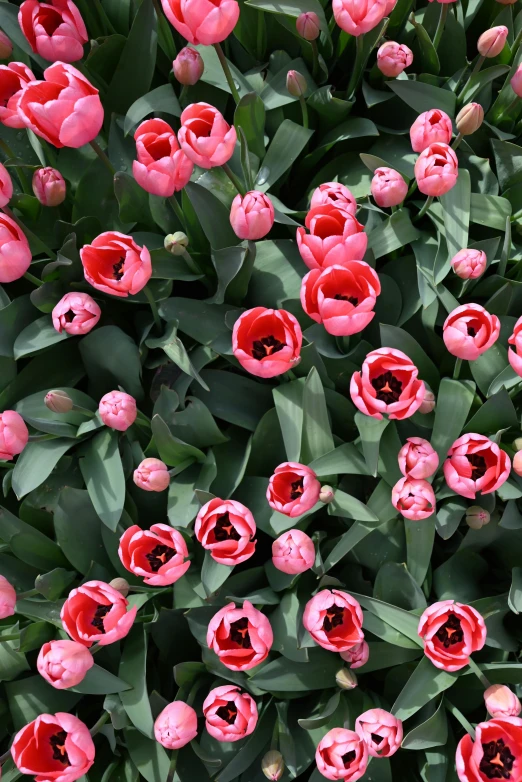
(213, 574)
(425, 683)
(351, 508)
(233, 267)
(30, 697)
(35, 413)
(515, 592)
(348, 541)
(37, 336)
(161, 100)
(454, 401)
(98, 681)
(148, 756)
(344, 460)
(288, 400)
(423, 97)
(403, 621)
(449, 515)
(175, 350)
(382, 655)
(51, 585)
(235, 398)
(14, 318)
(317, 434)
(102, 472)
(133, 667)
(287, 144)
(172, 450)
(213, 216)
(456, 207)
(419, 546)
(432, 732)
(283, 675)
(393, 337)
(250, 116)
(487, 367)
(498, 412)
(395, 232)
(371, 430)
(490, 210)
(290, 7)
(478, 81)
(109, 368)
(251, 748)
(37, 462)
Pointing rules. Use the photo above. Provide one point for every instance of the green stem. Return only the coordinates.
(354, 78)
(101, 722)
(183, 466)
(457, 141)
(153, 306)
(5, 756)
(29, 593)
(478, 673)
(428, 202)
(516, 43)
(173, 762)
(228, 75)
(468, 727)
(191, 263)
(476, 69)
(173, 201)
(315, 53)
(183, 95)
(29, 234)
(507, 110)
(413, 188)
(304, 109)
(3, 639)
(440, 27)
(82, 410)
(233, 178)
(456, 371)
(103, 157)
(192, 694)
(33, 279)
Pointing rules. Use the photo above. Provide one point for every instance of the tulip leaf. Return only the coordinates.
(102, 471)
(425, 683)
(162, 99)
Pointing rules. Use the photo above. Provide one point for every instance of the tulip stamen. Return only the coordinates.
(97, 620)
(225, 530)
(297, 489)
(348, 758)
(159, 556)
(334, 618)
(69, 316)
(451, 632)
(57, 742)
(266, 346)
(497, 761)
(478, 466)
(239, 633)
(376, 738)
(388, 388)
(228, 712)
(352, 299)
(117, 269)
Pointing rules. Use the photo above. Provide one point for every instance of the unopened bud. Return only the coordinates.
(176, 243)
(188, 66)
(477, 517)
(308, 25)
(295, 83)
(58, 402)
(501, 702)
(470, 118)
(326, 494)
(517, 463)
(273, 765)
(517, 444)
(491, 42)
(121, 585)
(6, 47)
(428, 403)
(346, 679)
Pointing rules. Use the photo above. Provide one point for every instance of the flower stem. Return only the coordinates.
(315, 53)
(191, 263)
(173, 759)
(28, 233)
(476, 69)
(153, 306)
(424, 209)
(101, 722)
(3, 639)
(183, 95)
(173, 201)
(29, 593)
(456, 371)
(457, 141)
(233, 178)
(440, 27)
(33, 279)
(354, 78)
(478, 673)
(103, 157)
(304, 109)
(468, 727)
(228, 75)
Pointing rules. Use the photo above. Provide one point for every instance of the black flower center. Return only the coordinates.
(471, 331)
(159, 556)
(334, 617)
(348, 758)
(388, 388)
(225, 530)
(297, 489)
(57, 742)
(478, 466)
(497, 760)
(239, 633)
(352, 299)
(266, 347)
(117, 269)
(228, 712)
(97, 620)
(69, 316)
(376, 738)
(451, 632)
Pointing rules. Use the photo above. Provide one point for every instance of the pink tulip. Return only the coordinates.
(55, 30)
(14, 434)
(308, 26)
(6, 186)
(252, 215)
(15, 253)
(469, 119)
(507, 2)
(334, 620)
(417, 459)
(6, 47)
(49, 186)
(381, 731)
(443, 1)
(430, 127)
(428, 403)
(176, 726)
(516, 81)
(469, 264)
(393, 58)
(226, 529)
(501, 701)
(240, 637)
(296, 83)
(517, 463)
(159, 555)
(390, 5)
(476, 464)
(267, 342)
(13, 78)
(7, 591)
(470, 330)
(387, 383)
(451, 632)
(293, 489)
(436, 170)
(230, 714)
(115, 264)
(335, 194)
(76, 314)
(162, 168)
(202, 21)
(205, 136)
(342, 754)
(118, 410)
(515, 356)
(96, 612)
(341, 297)
(335, 237)
(414, 498)
(357, 655)
(388, 187)
(491, 42)
(64, 664)
(152, 475)
(357, 17)
(188, 66)
(293, 552)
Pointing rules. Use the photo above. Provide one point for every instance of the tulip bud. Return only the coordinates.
(517, 463)
(121, 585)
(273, 765)
(188, 66)
(517, 444)
(326, 494)
(176, 243)
(516, 82)
(6, 47)
(295, 83)
(501, 702)
(477, 517)
(58, 402)
(346, 679)
(308, 26)
(470, 118)
(428, 403)
(49, 186)
(491, 42)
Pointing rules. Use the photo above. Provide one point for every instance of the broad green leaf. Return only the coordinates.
(423, 97)
(288, 400)
(102, 471)
(348, 541)
(213, 574)
(344, 460)
(454, 401)
(32, 696)
(371, 430)
(98, 681)
(112, 359)
(213, 216)
(456, 207)
(350, 507)
(425, 683)
(479, 80)
(36, 463)
(515, 592)
(172, 450)
(286, 146)
(283, 675)
(317, 433)
(419, 546)
(403, 621)
(488, 366)
(395, 583)
(163, 99)
(396, 232)
(433, 732)
(133, 668)
(149, 757)
(82, 543)
(490, 210)
(250, 116)
(175, 350)
(37, 336)
(14, 318)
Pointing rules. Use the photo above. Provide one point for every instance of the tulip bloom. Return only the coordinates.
(358, 655)
(118, 410)
(176, 726)
(162, 168)
(55, 30)
(65, 109)
(54, 748)
(64, 664)
(14, 434)
(293, 489)
(436, 170)
(252, 215)
(342, 754)
(13, 78)
(430, 127)
(96, 612)
(205, 136)
(7, 597)
(381, 731)
(49, 186)
(335, 194)
(267, 342)
(469, 264)
(229, 713)
(387, 383)
(469, 331)
(227, 530)
(293, 552)
(496, 752)
(115, 264)
(202, 21)
(158, 555)
(476, 464)
(241, 637)
(76, 314)
(335, 237)
(188, 66)
(152, 475)
(515, 356)
(357, 17)
(414, 498)
(341, 297)
(501, 701)
(334, 620)
(516, 82)
(393, 58)
(492, 41)
(451, 632)
(308, 26)
(388, 187)
(417, 459)
(6, 186)
(15, 253)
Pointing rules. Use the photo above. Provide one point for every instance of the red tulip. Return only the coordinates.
(96, 612)
(267, 342)
(158, 555)
(115, 264)
(293, 489)
(417, 458)
(241, 637)
(388, 187)
(293, 552)
(15, 253)
(162, 168)
(393, 58)
(229, 713)
(13, 78)
(227, 529)
(414, 498)
(49, 186)
(334, 620)
(469, 264)
(6, 186)
(335, 237)
(515, 356)
(202, 21)
(381, 731)
(430, 127)
(387, 383)
(357, 17)
(357, 655)
(152, 475)
(451, 632)
(496, 752)
(205, 136)
(470, 330)
(436, 170)
(252, 215)
(476, 464)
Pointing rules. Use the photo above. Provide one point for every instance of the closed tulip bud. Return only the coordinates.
(49, 186)
(58, 401)
(6, 47)
(428, 403)
(295, 83)
(477, 517)
(491, 42)
(188, 66)
(308, 26)
(176, 243)
(517, 444)
(273, 765)
(346, 679)
(326, 494)
(501, 702)
(121, 585)
(517, 463)
(516, 82)
(469, 119)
